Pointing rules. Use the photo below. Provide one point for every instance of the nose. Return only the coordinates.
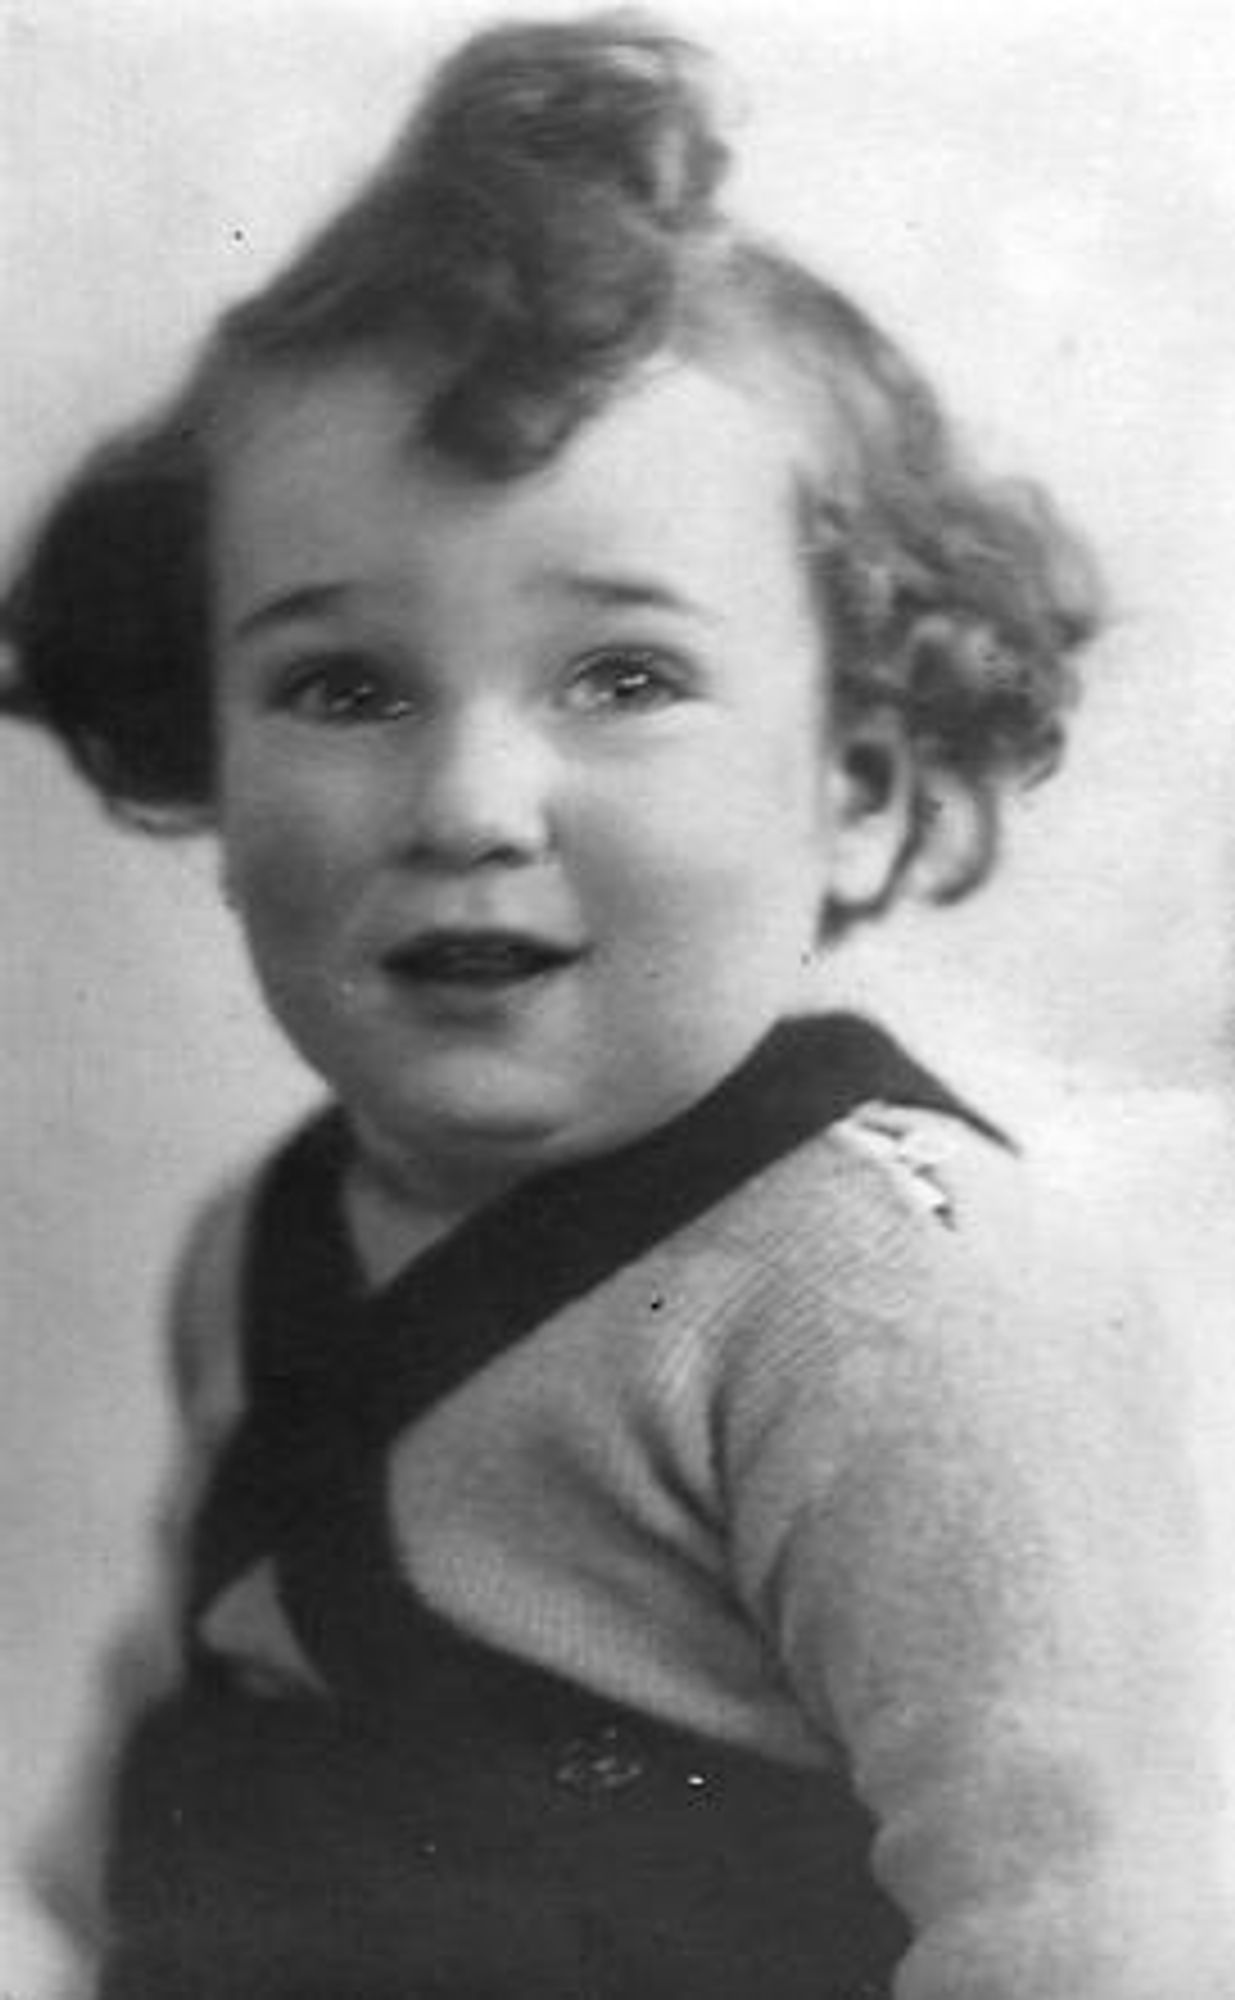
(479, 792)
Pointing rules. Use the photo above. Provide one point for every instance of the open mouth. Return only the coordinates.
(481, 958)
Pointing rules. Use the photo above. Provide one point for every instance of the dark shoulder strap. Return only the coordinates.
(298, 1276)
(560, 1235)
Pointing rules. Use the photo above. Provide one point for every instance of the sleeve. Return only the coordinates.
(967, 1524)
(66, 1873)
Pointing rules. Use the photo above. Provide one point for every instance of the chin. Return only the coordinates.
(490, 1122)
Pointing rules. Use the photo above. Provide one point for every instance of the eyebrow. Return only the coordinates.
(615, 590)
(608, 590)
(303, 602)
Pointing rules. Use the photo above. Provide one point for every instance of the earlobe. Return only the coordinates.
(873, 783)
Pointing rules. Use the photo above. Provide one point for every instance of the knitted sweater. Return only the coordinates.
(867, 1465)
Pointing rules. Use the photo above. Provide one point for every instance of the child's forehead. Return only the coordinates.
(334, 454)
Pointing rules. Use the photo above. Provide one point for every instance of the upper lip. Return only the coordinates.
(446, 950)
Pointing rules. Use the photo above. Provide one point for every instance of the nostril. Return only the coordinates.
(449, 832)
(457, 853)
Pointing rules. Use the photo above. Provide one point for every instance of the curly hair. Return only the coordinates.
(548, 224)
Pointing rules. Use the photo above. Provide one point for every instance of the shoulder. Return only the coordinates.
(208, 1286)
(205, 1309)
(974, 1391)
(895, 1201)
(927, 1198)
(916, 1272)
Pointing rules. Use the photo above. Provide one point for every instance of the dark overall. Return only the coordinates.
(449, 1823)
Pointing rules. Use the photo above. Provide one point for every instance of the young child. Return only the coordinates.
(670, 1507)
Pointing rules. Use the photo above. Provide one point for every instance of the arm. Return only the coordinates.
(66, 1874)
(967, 1526)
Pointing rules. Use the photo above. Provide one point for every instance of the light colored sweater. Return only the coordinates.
(873, 1465)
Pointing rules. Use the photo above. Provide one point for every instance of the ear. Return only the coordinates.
(872, 803)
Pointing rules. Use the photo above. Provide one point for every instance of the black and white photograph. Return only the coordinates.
(617, 1027)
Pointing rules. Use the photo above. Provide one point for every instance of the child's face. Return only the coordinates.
(526, 792)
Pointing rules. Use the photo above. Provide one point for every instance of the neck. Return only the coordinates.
(397, 1205)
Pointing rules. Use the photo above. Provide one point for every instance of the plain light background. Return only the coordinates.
(1041, 201)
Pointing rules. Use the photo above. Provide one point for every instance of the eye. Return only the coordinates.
(342, 689)
(626, 680)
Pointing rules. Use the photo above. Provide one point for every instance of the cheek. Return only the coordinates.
(291, 849)
(738, 838)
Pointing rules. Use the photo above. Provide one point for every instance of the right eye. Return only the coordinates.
(342, 689)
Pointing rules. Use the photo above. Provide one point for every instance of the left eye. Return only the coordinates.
(343, 688)
(629, 681)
